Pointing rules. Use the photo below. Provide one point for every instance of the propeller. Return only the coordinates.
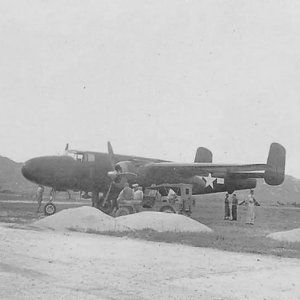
(116, 173)
(111, 155)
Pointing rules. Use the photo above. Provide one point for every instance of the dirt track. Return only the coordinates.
(47, 265)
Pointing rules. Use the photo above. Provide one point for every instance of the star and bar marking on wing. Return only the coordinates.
(209, 180)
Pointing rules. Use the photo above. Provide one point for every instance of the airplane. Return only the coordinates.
(97, 172)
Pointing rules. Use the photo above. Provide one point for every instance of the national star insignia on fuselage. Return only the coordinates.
(209, 180)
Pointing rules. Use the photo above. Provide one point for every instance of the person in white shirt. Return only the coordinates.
(138, 194)
(250, 202)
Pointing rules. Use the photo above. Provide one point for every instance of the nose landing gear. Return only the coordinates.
(50, 208)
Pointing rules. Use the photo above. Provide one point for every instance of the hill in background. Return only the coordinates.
(11, 178)
(286, 193)
(13, 182)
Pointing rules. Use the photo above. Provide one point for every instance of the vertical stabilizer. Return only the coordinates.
(203, 155)
(274, 174)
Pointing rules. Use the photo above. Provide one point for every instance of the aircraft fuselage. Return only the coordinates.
(90, 174)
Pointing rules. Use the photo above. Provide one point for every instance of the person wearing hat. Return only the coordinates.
(226, 208)
(135, 187)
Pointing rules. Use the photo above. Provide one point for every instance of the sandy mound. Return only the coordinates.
(161, 222)
(83, 218)
(286, 236)
(87, 218)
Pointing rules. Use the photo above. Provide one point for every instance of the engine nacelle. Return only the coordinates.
(125, 167)
(124, 172)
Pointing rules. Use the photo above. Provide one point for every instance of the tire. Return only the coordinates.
(167, 209)
(49, 209)
(123, 211)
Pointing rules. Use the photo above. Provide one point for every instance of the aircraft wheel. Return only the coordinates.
(123, 211)
(167, 209)
(49, 209)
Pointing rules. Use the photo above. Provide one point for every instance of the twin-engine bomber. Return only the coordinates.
(97, 172)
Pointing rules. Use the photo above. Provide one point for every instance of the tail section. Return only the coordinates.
(274, 174)
(203, 155)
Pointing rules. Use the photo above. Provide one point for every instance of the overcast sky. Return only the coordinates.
(156, 78)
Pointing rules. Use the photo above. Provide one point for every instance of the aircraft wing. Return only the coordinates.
(203, 169)
(273, 171)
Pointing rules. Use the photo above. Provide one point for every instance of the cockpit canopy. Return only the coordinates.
(80, 156)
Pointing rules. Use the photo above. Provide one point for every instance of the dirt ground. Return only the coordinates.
(56, 265)
(37, 264)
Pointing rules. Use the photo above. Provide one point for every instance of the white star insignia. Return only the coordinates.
(209, 181)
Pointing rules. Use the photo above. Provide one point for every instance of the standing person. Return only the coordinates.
(227, 208)
(135, 187)
(250, 202)
(39, 196)
(251, 207)
(234, 204)
(95, 199)
(154, 193)
(171, 196)
(138, 194)
(138, 198)
(126, 193)
(100, 200)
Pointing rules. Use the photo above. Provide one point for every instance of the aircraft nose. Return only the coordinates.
(28, 169)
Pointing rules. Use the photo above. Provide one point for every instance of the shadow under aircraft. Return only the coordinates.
(97, 172)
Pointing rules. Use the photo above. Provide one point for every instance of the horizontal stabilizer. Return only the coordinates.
(203, 155)
(274, 174)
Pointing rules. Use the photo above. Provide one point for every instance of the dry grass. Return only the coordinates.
(233, 236)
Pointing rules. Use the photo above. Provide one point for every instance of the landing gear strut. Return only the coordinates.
(50, 208)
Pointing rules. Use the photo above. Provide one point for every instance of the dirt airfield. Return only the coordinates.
(43, 264)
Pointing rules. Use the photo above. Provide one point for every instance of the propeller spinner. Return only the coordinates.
(117, 173)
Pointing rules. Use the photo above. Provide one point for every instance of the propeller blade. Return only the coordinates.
(107, 194)
(115, 174)
(66, 149)
(111, 155)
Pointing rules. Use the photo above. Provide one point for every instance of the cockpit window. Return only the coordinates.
(90, 157)
(79, 157)
(76, 156)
